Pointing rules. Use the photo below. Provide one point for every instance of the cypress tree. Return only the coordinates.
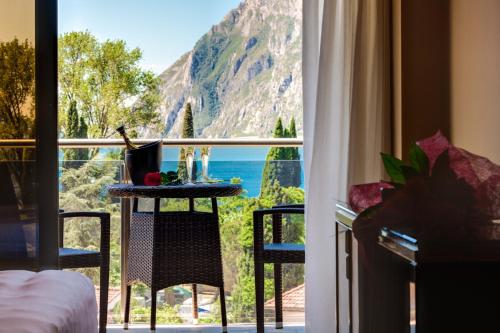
(295, 167)
(270, 174)
(282, 164)
(293, 130)
(76, 128)
(82, 153)
(279, 132)
(73, 121)
(187, 133)
(278, 129)
(188, 127)
(293, 152)
(83, 129)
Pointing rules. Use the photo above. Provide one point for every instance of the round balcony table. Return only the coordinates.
(171, 248)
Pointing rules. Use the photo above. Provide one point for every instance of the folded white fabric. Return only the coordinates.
(47, 302)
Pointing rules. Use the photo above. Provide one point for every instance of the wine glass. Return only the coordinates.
(205, 153)
(189, 166)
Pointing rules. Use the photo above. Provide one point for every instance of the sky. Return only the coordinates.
(163, 29)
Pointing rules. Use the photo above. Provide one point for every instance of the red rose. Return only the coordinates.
(152, 179)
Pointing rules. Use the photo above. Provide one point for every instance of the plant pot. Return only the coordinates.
(143, 160)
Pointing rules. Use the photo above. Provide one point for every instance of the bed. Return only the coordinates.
(47, 302)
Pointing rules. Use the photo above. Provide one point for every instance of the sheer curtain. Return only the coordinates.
(346, 71)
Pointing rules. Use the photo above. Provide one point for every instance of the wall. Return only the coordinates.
(446, 73)
(475, 76)
(421, 83)
(397, 108)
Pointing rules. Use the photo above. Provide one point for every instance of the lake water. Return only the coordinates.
(246, 163)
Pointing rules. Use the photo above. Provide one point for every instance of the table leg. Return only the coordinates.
(194, 289)
(384, 291)
(337, 283)
(124, 240)
(349, 273)
(195, 303)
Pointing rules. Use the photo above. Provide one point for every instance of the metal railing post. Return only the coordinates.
(125, 208)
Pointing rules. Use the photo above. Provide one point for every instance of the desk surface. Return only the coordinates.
(473, 250)
(198, 190)
(344, 215)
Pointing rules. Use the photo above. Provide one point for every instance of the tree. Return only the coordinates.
(295, 167)
(17, 79)
(293, 130)
(187, 128)
(73, 123)
(17, 117)
(187, 133)
(83, 129)
(278, 129)
(282, 164)
(75, 128)
(107, 83)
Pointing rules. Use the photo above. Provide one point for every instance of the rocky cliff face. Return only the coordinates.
(241, 75)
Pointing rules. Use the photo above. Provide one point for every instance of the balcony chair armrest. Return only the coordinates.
(278, 210)
(290, 206)
(101, 215)
(104, 219)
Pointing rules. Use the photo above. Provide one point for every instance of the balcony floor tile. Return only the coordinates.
(242, 328)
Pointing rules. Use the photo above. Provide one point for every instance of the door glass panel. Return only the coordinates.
(18, 222)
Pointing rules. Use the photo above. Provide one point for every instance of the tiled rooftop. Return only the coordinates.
(293, 299)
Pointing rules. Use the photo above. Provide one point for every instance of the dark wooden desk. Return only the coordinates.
(457, 284)
(346, 277)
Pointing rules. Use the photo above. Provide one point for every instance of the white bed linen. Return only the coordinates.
(47, 302)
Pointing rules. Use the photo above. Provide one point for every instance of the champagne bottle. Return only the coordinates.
(128, 143)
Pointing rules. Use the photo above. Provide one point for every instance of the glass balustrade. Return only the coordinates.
(83, 187)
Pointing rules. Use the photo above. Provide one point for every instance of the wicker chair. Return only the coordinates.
(76, 258)
(276, 253)
(12, 238)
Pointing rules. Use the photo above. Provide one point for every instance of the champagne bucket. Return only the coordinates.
(143, 160)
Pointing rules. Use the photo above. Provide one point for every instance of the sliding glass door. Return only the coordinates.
(18, 206)
(28, 147)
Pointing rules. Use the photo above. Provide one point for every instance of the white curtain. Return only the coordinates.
(346, 54)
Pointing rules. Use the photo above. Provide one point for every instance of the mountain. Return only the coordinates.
(241, 75)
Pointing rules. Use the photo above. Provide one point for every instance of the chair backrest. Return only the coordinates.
(12, 236)
(8, 200)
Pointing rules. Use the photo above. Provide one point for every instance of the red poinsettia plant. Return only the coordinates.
(442, 193)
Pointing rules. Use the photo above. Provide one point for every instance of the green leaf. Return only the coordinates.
(169, 178)
(419, 160)
(393, 168)
(164, 178)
